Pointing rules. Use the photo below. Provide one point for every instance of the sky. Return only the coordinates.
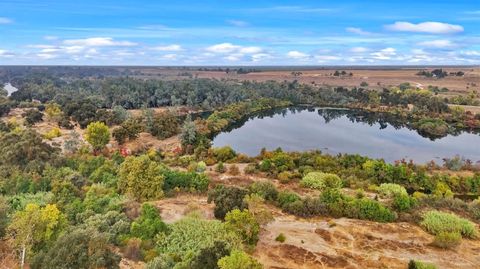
(254, 33)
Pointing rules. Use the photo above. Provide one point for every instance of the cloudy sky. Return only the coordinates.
(145, 32)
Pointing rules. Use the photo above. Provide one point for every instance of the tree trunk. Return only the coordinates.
(24, 249)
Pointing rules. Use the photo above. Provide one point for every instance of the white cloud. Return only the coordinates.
(238, 23)
(261, 56)
(440, 43)
(231, 52)
(50, 50)
(173, 47)
(73, 49)
(425, 27)
(470, 53)
(47, 56)
(6, 53)
(170, 56)
(295, 54)
(384, 54)
(124, 53)
(358, 31)
(223, 48)
(98, 42)
(359, 49)
(4, 20)
(250, 50)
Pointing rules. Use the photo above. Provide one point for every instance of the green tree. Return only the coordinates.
(147, 114)
(78, 249)
(129, 129)
(120, 114)
(98, 135)
(239, 260)
(208, 257)
(148, 224)
(32, 116)
(53, 111)
(244, 224)
(34, 227)
(188, 135)
(227, 199)
(164, 125)
(141, 177)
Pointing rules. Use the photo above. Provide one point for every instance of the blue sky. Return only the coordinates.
(141, 32)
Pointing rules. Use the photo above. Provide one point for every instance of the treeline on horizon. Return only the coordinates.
(89, 100)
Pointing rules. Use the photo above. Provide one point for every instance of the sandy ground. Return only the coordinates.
(173, 209)
(355, 244)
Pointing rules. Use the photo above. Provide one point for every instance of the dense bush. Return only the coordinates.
(53, 133)
(447, 239)
(308, 207)
(148, 224)
(280, 238)
(190, 235)
(32, 116)
(187, 181)
(165, 125)
(238, 260)
(321, 181)
(264, 189)
(128, 130)
(403, 202)
(244, 224)
(287, 197)
(208, 257)
(332, 202)
(141, 178)
(371, 210)
(420, 265)
(34, 157)
(220, 168)
(226, 199)
(391, 190)
(224, 154)
(86, 249)
(436, 222)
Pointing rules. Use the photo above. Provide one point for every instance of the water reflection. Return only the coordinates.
(378, 135)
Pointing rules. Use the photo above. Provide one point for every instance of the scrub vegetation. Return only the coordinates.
(76, 182)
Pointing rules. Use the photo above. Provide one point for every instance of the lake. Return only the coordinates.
(334, 131)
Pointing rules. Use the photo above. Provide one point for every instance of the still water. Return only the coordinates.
(336, 131)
